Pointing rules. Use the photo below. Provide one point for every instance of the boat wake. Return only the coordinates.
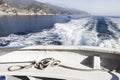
(91, 31)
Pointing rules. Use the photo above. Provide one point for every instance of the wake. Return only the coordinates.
(92, 31)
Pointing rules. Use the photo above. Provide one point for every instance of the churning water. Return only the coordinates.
(60, 30)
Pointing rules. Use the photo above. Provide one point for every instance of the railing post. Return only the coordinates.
(96, 62)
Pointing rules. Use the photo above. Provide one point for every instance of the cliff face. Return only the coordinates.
(5, 9)
(33, 7)
(23, 9)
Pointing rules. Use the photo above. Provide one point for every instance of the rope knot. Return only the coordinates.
(47, 62)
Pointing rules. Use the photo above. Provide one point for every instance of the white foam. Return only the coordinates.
(116, 21)
(75, 32)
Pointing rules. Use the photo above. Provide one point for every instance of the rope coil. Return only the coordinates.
(45, 63)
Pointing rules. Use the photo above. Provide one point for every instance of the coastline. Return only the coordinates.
(7, 10)
(25, 14)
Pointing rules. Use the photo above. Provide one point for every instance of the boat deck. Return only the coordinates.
(74, 58)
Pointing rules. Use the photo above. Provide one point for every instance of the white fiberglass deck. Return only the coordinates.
(67, 57)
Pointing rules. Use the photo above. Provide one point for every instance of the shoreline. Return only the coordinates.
(25, 14)
(2, 15)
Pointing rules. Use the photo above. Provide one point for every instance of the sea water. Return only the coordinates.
(96, 31)
(16, 31)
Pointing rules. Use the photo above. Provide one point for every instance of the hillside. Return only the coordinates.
(33, 7)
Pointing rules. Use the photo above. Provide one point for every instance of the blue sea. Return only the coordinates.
(22, 31)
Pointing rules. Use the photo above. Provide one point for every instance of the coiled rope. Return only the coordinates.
(45, 63)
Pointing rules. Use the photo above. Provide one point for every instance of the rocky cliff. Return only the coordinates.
(33, 7)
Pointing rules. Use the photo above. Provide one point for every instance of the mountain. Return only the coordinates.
(33, 7)
(63, 10)
(19, 2)
(1, 2)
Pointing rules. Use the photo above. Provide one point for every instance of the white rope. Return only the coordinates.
(45, 63)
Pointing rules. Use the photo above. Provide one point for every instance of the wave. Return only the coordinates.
(76, 32)
(81, 32)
